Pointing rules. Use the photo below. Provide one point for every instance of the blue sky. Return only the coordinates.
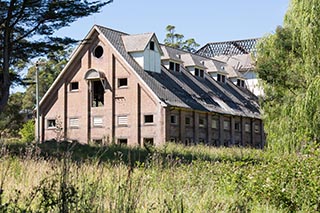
(204, 20)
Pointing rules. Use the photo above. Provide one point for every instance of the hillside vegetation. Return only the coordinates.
(64, 177)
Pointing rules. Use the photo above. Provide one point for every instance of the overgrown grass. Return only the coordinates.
(64, 177)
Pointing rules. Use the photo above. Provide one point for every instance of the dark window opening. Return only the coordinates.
(173, 119)
(74, 86)
(238, 82)
(97, 94)
(98, 52)
(256, 128)
(171, 66)
(218, 77)
(188, 121)
(242, 83)
(177, 67)
(223, 78)
(97, 141)
(196, 72)
(148, 119)
(201, 122)
(51, 123)
(201, 73)
(148, 142)
(122, 82)
(237, 127)
(123, 141)
(151, 45)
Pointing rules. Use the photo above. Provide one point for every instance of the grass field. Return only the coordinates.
(64, 177)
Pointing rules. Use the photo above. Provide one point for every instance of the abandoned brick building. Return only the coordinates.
(130, 89)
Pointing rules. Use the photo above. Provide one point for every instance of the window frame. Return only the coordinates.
(71, 86)
(214, 123)
(120, 86)
(94, 90)
(122, 116)
(247, 127)
(148, 122)
(74, 126)
(122, 139)
(185, 121)
(97, 125)
(152, 45)
(237, 126)
(49, 121)
(203, 123)
(226, 125)
(175, 119)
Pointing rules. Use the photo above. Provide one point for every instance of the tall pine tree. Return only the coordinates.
(27, 28)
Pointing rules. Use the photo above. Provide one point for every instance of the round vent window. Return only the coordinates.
(98, 52)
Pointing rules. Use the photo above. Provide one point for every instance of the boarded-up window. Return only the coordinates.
(226, 125)
(123, 120)
(97, 121)
(247, 127)
(214, 124)
(74, 122)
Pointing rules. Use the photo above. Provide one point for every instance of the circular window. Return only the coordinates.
(98, 52)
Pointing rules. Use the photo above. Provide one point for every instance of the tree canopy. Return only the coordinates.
(289, 63)
(176, 40)
(27, 31)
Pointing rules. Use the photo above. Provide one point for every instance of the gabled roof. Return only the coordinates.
(182, 89)
(241, 63)
(191, 60)
(177, 89)
(215, 66)
(136, 43)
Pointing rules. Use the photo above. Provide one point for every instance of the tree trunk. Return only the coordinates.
(4, 76)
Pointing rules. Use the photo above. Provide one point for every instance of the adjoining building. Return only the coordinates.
(130, 89)
(238, 54)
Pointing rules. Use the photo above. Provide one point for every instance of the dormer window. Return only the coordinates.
(196, 72)
(174, 66)
(240, 83)
(199, 72)
(151, 45)
(221, 78)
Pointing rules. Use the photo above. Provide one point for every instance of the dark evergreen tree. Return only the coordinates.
(26, 32)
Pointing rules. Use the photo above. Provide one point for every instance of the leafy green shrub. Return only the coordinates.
(27, 132)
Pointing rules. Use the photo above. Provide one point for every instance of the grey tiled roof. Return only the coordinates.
(135, 43)
(182, 89)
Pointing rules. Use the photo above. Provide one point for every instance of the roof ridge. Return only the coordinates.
(107, 28)
(238, 40)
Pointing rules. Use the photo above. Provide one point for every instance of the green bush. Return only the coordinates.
(27, 132)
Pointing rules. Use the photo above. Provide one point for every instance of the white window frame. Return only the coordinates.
(95, 123)
(122, 120)
(74, 122)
